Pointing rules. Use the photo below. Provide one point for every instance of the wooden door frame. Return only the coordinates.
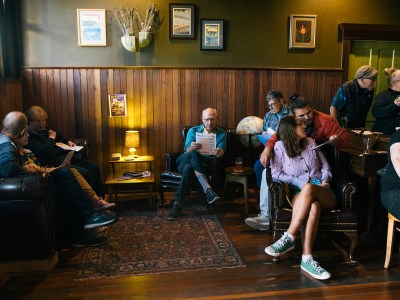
(371, 32)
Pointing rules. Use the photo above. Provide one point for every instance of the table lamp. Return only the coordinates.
(131, 141)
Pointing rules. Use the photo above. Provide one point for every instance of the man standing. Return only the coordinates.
(192, 165)
(354, 98)
(320, 127)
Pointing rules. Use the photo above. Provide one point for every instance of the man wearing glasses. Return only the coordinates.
(354, 98)
(192, 165)
(320, 127)
(277, 110)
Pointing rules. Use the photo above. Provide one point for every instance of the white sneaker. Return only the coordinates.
(260, 222)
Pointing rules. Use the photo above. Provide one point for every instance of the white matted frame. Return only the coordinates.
(302, 31)
(91, 27)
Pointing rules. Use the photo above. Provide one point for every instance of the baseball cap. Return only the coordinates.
(366, 72)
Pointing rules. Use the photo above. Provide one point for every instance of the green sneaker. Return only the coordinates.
(313, 268)
(281, 246)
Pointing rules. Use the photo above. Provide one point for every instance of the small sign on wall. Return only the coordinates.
(117, 104)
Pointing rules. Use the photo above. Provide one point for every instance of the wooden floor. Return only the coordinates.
(259, 279)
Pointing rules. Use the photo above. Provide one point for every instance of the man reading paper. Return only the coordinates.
(192, 165)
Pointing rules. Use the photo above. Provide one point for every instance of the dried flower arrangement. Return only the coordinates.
(131, 20)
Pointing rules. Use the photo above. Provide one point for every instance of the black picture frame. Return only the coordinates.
(182, 21)
(212, 34)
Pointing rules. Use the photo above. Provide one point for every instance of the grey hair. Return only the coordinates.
(273, 94)
(13, 123)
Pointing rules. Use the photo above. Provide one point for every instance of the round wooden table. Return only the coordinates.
(239, 177)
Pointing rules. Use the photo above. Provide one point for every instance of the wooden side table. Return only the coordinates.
(127, 185)
(239, 177)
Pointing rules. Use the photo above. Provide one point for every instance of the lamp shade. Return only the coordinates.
(132, 139)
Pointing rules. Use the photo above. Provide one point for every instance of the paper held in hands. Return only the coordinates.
(66, 147)
(67, 159)
(207, 141)
(327, 142)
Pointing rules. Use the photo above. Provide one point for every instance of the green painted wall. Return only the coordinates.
(256, 33)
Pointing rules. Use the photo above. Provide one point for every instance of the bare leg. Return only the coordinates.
(307, 206)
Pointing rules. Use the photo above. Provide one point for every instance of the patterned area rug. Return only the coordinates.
(147, 243)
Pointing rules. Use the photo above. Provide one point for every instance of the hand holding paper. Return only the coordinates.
(207, 141)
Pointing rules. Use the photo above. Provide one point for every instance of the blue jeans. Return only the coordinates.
(258, 169)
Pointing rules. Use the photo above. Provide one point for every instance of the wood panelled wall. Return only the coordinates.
(10, 96)
(160, 101)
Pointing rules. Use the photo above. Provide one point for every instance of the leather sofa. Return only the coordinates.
(27, 223)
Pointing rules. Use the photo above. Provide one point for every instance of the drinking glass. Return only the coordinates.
(367, 143)
(238, 164)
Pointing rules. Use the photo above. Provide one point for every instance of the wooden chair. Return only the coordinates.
(340, 219)
(389, 240)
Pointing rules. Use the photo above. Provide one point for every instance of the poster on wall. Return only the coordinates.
(302, 31)
(117, 104)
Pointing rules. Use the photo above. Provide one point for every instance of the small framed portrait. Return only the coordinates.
(212, 34)
(302, 31)
(117, 104)
(182, 21)
(91, 27)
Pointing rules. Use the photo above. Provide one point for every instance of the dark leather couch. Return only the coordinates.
(27, 226)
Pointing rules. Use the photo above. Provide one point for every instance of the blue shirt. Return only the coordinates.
(271, 120)
(220, 136)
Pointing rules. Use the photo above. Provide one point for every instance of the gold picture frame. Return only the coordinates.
(302, 31)
(91, 27)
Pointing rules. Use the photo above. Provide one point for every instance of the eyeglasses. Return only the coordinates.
(209, 120)
(305, 116)
(272, 105)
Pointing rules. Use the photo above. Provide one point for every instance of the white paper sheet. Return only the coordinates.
(207, 141)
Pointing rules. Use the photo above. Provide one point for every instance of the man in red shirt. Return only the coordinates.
(319, 126)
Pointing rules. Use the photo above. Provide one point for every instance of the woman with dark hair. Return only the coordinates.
(307, 172)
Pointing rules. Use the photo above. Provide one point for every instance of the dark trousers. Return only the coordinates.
(72, 204)
(187, 163)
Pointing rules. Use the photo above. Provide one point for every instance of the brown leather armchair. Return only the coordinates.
(27, 226)
(340, 219)
(170, 178)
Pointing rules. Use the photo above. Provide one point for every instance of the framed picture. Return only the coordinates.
(212, 34)
(117, 104)
(91, 27)
(302, 31)
(181, 21)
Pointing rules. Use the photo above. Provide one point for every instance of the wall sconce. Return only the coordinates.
(132, 140)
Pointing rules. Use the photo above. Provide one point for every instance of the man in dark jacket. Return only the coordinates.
(81, 213)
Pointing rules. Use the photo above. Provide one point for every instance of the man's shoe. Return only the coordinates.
(260, 222)
(89, 242)
(313, 268)
(281, 246)
(175, 213)
(102, 204)
(97, 220)
(211, 196)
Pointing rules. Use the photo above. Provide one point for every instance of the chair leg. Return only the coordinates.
(389, 242)
(162, 200)
(354, 241)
